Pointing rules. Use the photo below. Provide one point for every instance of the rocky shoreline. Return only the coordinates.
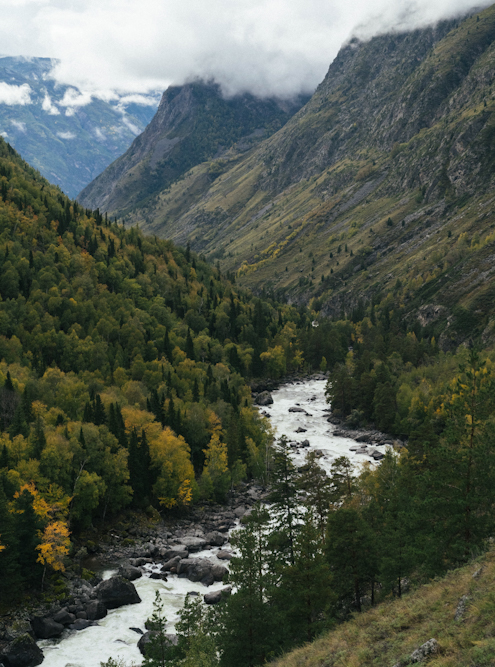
(165, 547)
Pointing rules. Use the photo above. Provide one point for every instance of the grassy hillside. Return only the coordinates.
(388, 635)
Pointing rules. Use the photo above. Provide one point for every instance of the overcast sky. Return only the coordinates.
(268, 47)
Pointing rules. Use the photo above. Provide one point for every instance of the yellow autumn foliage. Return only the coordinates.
(54, 545)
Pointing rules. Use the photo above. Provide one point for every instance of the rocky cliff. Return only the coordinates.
(194, 123)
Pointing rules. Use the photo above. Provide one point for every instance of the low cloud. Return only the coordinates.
(14, 95)
(66, 135)
(268, 47)
(48, 106)
(19, 126)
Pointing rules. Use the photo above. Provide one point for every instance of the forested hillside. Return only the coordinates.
(123, 372)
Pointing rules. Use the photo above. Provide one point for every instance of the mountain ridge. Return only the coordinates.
(194, 123)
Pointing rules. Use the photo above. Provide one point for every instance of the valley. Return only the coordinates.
(262, 335)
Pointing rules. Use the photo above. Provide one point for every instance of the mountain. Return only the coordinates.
(68, 135)
(194, 123)
(380, 184)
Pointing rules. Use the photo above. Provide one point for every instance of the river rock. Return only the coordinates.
(194, 544)
(240, 511)
(116, 592)
(171, 564)
(23, 652)
(305, 443)
(224, 555)
(64, 616)
(46, 628)
(81, 624)
(130, 572)
(264, 398)
(295, 409)
(201, 569)
(219, 572)
(174, 553)
(300, 429)
(216, 596)
(146, 638)
(95, 610)
(215, 539)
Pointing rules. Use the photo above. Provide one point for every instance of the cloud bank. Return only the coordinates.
(268, 47)
(11, 94)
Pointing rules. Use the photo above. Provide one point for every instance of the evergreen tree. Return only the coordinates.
(250, 627)
(350, 551)
(285, 500)
(304, 594)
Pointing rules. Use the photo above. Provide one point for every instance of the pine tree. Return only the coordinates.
(250, 628)
(285, 500)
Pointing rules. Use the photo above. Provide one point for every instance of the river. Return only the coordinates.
(112, 637)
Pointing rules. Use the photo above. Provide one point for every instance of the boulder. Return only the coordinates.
(95, 610)
(219, 572)
(300, 429)
(116, 592)
(64, 616)
(264, 398)
(171, 564)
(23, 652)
(130, 572)
(137, 562)
(295, 409)
(305, 443)
(428, 648)
(201, 569)
(146, 638)
(216, 596)
(81, 624)
(194, 544)
(46, 628)
(215, 539)
(173, 553)
(224, 555)
(240, 511)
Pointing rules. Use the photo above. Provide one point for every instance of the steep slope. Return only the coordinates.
(68, 136)
(388, 635)
(193, 123)
(381, 182)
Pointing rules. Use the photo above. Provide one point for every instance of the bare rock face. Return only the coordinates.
(116, 592)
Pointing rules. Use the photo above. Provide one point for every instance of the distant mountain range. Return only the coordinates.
(68, 135)
(382, 184)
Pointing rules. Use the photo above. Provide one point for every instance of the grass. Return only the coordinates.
(392, 631)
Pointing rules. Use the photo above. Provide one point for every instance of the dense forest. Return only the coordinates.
(123, 374)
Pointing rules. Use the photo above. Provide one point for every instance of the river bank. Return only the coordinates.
(177, 557)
